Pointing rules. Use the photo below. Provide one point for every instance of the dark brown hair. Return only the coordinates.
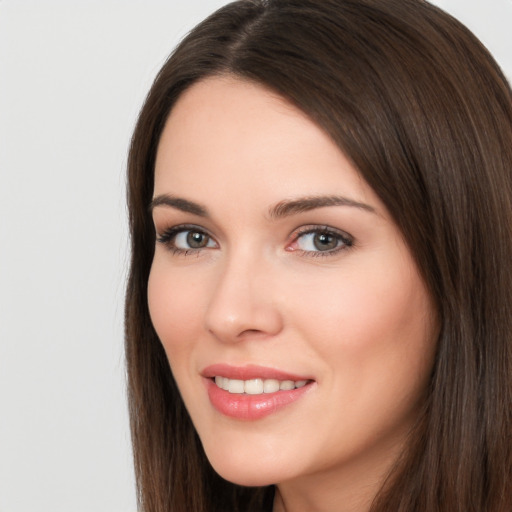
(425, 115)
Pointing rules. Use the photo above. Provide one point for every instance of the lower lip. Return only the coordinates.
(252, 407)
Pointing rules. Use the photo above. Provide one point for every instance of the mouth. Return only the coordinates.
(257, 386)
(253, 392)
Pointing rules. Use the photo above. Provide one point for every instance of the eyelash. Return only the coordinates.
(168, 238)
(344, 240)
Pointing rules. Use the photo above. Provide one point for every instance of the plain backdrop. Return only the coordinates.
(73, 75)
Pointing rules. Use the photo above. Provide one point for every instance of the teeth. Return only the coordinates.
(236, 386)
(222, 382)
(270, 386)
(253, 387)
(257, 386)
(286, 385)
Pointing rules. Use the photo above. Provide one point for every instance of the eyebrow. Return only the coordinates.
(282, 209)
(179, 203)
(305, 204)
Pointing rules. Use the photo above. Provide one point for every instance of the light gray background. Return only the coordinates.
(73, 75)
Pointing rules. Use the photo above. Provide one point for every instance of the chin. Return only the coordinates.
(246, 479)
(245, 470)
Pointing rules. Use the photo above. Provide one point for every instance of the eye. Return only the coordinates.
(191, 239)
(321, 240)
(186, 239)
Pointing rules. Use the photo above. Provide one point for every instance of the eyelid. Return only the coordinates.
(346, 239)
(169, 234)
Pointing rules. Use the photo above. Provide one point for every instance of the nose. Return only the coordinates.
(243, 304)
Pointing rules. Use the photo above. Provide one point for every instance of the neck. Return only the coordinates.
(349, 488)
(325, 498)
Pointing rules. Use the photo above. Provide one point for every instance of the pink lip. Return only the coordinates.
(250, 407)
(249, 372)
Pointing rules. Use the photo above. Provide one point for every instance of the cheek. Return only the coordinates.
(372, 324)
(359, 307)
(375, 335)
(174, 308)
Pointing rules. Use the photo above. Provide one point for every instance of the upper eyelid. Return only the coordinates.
(185, 227)
(304, 230)
(172, 231)
(164, 225)
(346, 239)
(169, 233)
(167, 238)
(308, 228)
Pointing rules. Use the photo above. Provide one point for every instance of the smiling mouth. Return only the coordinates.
(257, 386)
(253, 392)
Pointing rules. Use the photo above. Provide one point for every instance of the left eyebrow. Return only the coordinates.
(178, 203)
(305, 204)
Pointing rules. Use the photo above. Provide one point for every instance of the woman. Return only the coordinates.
(318, 306)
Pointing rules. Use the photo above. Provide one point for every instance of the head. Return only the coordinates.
(418, 141)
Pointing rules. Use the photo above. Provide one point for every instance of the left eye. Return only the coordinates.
(191, 239)
(321, 241)
(186, 240)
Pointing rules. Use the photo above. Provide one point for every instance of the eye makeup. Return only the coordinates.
(185, 239)
(309, 241)
(315, 241)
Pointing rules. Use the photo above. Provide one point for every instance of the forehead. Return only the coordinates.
(236, 139)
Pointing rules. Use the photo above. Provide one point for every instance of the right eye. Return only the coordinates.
(185, 240)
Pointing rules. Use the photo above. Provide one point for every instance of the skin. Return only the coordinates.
(356, 319)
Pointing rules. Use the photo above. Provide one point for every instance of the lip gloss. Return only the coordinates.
(251, 407)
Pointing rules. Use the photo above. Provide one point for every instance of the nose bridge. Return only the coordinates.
(243, 301)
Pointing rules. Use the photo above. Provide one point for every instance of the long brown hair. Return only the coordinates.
(425, 114)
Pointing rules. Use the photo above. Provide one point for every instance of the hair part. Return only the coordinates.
(424, 113)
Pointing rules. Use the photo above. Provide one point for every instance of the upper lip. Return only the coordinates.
(248, 372)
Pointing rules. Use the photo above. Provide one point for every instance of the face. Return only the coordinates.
(296, 324)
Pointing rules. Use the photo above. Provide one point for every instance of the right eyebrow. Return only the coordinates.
(178, 203)
(305, 204)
